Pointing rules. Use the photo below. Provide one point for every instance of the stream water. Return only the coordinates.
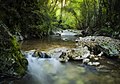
(51, 71)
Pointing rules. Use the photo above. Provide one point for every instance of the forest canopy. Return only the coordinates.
(37, 18)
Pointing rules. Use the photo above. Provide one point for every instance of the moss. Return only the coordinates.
(12, 62)
(21, 62)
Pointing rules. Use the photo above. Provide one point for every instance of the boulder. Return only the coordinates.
(96, 44)
(65, 54)
(57, 52)
(78, 53)
(35, 53)
(109, 49)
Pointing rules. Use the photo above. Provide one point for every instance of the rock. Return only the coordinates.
(36, 53)
(65, 59)
(109, 49)
(96, 63)
(96, 59)
(65, 54)
(97, 44)
(79, 53)
(77, 58)
(86, 60)
(92, 56)
(90, 63)
(57, 52)
(75, 54)
(99, 55)
(43, 55)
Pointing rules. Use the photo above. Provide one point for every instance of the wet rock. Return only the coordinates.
(90, 63)
(86, 60)
(94, 63)
(100, 54)
(57, 52)
(64, 54)
(65, 59)
(79, 53)
(109, 49)
(96, 59)
(92, 60)
(92, 56)
(60, 54)
(36, 53)
(98, 44)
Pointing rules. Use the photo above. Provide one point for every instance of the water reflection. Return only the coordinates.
(46, 44)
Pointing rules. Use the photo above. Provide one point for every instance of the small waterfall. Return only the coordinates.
(43, 70)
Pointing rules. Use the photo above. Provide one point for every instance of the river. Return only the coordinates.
(51, 71)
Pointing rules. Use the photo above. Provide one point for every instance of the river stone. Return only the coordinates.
(107, 45)
(36, 53)
(79, 53)
(12, 62)
(65, 54)
(96, 63)
(86, 60)
(57, 52)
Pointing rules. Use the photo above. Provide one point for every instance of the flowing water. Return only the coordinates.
(51, 71)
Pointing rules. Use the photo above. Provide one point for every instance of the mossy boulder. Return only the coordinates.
(97, 44)
(12, 62)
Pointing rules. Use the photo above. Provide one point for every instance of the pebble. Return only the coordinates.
(100, 54)
(96, 63)
(96, 59)
(90, 63)
(92, 56)
(77, 58)
(86, 60)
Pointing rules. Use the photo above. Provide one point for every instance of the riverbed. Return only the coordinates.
(51, 71)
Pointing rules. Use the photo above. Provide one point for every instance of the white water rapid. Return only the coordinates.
(43, 70)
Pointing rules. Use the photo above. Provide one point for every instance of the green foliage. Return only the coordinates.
(27, 17)
(12, 62)
(36, 18)
(20, 61)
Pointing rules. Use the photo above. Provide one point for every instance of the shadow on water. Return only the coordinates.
(51, 71)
